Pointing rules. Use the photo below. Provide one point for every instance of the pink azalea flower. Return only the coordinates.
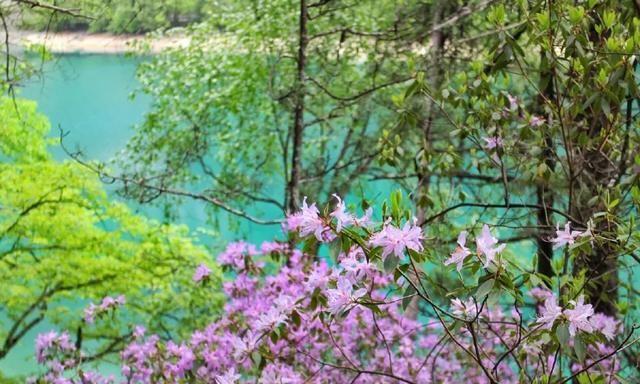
(108, 303)
(460, 253)
(364, 220)
(270, 319)
(273, 246)
(280, 374)
(318, 277)
(285, 304)
(394, 240)
(464, 309)
(244, 346)
(48, 343)
(355, 264)
(340, 298)
(493, 142)
(90, 313)
(230, 377)
(485, 245)
(202, 272)
(549, 313)
(44, 341)
(139, 331)
(536, 121)
(308, 221)
(292, 222)
(235, 253)
(564, 237)
(578, 317)
(311, 221)
(606, 325)
(540, 294)
(341, 215)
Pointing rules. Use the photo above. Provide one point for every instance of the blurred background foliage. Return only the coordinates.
(117, 16)
(64, 244)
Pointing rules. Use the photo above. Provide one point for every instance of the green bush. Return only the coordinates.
(117, 16)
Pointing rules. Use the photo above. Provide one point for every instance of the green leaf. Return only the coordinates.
(580, 349)
(408, 296)
(484, 289)
(562, 334)
(390, 263)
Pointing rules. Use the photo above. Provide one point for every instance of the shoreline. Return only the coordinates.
(96, 43)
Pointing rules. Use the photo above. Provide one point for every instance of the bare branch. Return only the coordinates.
(75, 12)
(360, 94)
(500, 206)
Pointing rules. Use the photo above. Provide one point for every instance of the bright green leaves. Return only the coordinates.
(22, 131)
(576, 14)
(60, 234)
(497, 15)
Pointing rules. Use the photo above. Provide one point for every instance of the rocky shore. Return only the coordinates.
(82, 42)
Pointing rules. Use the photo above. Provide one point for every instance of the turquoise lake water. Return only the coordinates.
(89, 98)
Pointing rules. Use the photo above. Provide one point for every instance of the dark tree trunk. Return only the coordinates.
(601, 265)
(434, 78)
(544, 194)
(293, 187)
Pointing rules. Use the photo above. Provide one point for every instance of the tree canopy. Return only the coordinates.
(64, 244)
(114, 16)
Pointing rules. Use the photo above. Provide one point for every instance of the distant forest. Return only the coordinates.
(116, 16)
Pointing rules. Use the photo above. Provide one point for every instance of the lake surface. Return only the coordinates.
(89, 98)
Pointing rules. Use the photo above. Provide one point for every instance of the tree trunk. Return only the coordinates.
(544, 194)
(434, 78)
(293, 187)
(598, 175)
(601, 265)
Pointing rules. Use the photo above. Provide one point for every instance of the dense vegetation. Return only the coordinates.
(510, 118)
(65, 244)
(116, 16)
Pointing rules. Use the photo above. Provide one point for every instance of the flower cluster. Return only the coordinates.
(308, 221)
(58, 354)
(580, 317)
(295, 318)
(201, 273)
(566, 236)
(394, 240)
(107, 305)
(486, 245)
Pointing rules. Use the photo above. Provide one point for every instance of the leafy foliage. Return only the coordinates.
(117, 16)
(224, 123)
(64, 243)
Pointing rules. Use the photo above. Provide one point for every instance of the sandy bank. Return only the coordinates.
(82, 42)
